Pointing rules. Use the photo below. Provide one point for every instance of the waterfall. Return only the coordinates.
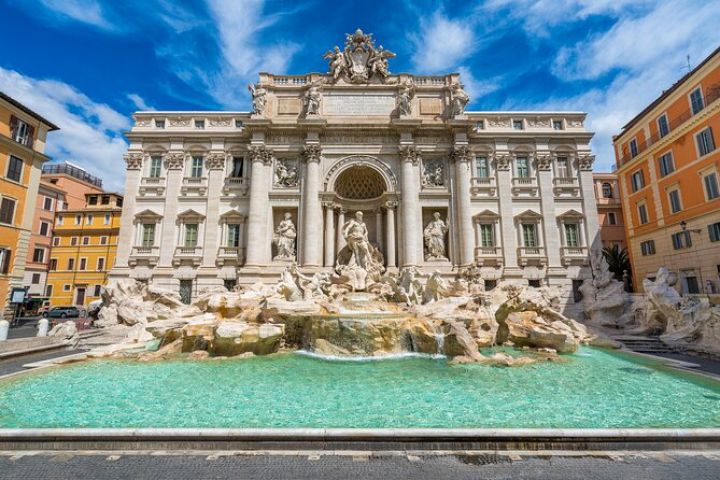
(440, 340)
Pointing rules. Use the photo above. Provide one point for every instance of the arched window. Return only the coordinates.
(607, 190)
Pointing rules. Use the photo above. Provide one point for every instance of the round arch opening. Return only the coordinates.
(360, 183)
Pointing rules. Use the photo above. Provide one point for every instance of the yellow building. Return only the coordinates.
(22, 146)
(83, 250)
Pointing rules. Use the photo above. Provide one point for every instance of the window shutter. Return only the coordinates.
(30, 136)
(13, 126)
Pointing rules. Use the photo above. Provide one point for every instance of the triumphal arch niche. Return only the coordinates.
(508, 194)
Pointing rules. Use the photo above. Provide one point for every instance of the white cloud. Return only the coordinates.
(139, 102)
(90, 133)
(442, 43)
(85, 11)
(477, 88)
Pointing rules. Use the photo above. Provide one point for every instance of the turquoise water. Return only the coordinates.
(596, 389)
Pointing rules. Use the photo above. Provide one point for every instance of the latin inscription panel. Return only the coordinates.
(358, 104)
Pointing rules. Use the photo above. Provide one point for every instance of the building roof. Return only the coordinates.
(668, 92)
(65, 168)
(25, 109)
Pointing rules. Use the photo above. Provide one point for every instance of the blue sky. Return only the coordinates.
(88, 64)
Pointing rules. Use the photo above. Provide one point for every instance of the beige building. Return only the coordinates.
(215, 198)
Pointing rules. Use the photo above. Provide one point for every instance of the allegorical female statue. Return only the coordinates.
(434, 235)
(284, 238)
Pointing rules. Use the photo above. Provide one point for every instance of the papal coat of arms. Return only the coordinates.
(360, 60)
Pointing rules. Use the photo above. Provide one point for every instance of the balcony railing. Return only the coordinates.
(153, 180)
(194, 180)
(531, 251)
(710, 96)
(188, 251)
(235, 181)
(574, 251)
(574, 255)
(523, 181)
(565, 181)
(482, 181)
(145, 251)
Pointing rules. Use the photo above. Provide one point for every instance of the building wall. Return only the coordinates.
(701, 259)
(611, 234)
(65, 280)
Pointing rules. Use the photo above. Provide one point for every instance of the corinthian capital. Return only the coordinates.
(461, 154)
(133, 160)
(260, 153)
(174, 161)
(544, 162)
(215, 161)
(585, 162)
(312, 152)
(502, 161)
(410, 153)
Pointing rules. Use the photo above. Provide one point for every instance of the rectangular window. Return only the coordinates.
(681, 240)
(5, 255)
(697, 102)
(47, 204)
(73, 241)
(642, 214)
(196, 167)
(71, 264)
(78, 219)
(101, 263)
(529, 231)
(667, 165)
(481, 167)
(200, 124)
(35, 278)
(714, 231)
(148, 234)
(103, 240)
(518, 125)
(562, 167)
(612, 219)
(56, 242)
(48, 290)
(44, 229)
(7, 210)
(90, 219)
(155, 166)
(230, 284)
(53, 264)
(96, 291)
(663, 126)
(647, 247)
(233, 238)
(21, 132)
(487, 234)
(237, 167)
(690, 283)
(674, 199)
(572, 236)
(39, 255)
(14, 171)
(92, 200)
(86, 240)
(83, 263)
(521, 167)
(107, 219)
(59, 220)
(557, 125)
(637, 180)
(705, 141)
(711, 186)
(238, 123)
(633, 148)
(66, 287)
(159, 123)
(480, 125)
(105, 200)
(191, 234)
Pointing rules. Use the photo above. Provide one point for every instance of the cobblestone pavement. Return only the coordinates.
(356, 466)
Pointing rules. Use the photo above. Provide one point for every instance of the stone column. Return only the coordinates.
(463, 157)
(126, 238)
(257, 236)
(312, 208)
(215, 163)
(409, 206)
(585, 163)
(551, 239)
(378, 228)
(329, 234)
(174, 163)
(507, 232)
(341, 222)
(390, 259)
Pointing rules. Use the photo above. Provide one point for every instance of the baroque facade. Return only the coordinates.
(217, 198)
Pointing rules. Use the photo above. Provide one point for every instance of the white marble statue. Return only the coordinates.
(459, 100)
(378, 61)
(355, 233)
(434, 235)
(359, 60)
(312, 100)
(259, 100)
(359, 261)
(338, 62)
(286, 174)
(433, 174)
(404, 99)
(284, 238)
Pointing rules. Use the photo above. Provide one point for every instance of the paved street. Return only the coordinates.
(358, 466)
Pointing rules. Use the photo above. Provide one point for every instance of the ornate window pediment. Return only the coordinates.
(571, 215)
(529, 215)
(190, 215)
(147, 216)
(487, 216)
(232, 216)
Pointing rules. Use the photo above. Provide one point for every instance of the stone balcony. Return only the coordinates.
(152, 186)
(149, 255)
(230, 256)
(487, 256)
(194, 186)
(187, 254)
(574, 256)
(236, 185)
(566, 187)
(531, 256)
(524, 186)
(483, 187)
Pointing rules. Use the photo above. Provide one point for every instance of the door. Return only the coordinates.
(185, 291)
(80, 296)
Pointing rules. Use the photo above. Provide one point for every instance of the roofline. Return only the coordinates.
(665, 94)
(524, 112)
(187, 112)
(25, 109)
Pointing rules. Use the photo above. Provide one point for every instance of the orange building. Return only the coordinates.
(72, 180)
(609, 206)
(22, 146)
(668, 163)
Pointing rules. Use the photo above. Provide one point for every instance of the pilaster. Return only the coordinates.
(260, 158)
(174, 162)
(312, 207)
(215, 164)
(409, 209)
(126, 239)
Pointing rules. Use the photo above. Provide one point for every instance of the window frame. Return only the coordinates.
(482, 161)
(662, 165)
(663, 132)
(633, 147)
(705, 147)
(13, 211)
(697, 89)
(12, 164)
(716, 184)
(642, 212)
(674, 199)
(637, 188)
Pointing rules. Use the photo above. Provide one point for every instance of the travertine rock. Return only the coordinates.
(66, 329)
(527, 328)
(458, 342)
(235, 338)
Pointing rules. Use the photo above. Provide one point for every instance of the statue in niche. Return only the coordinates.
(312, 100)
(259, 100)
(434, 235)
(433, 175)
(404, 99)
(356, 235)
(286, 174)
(284, 238)
(359, 260)
(459, 100)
